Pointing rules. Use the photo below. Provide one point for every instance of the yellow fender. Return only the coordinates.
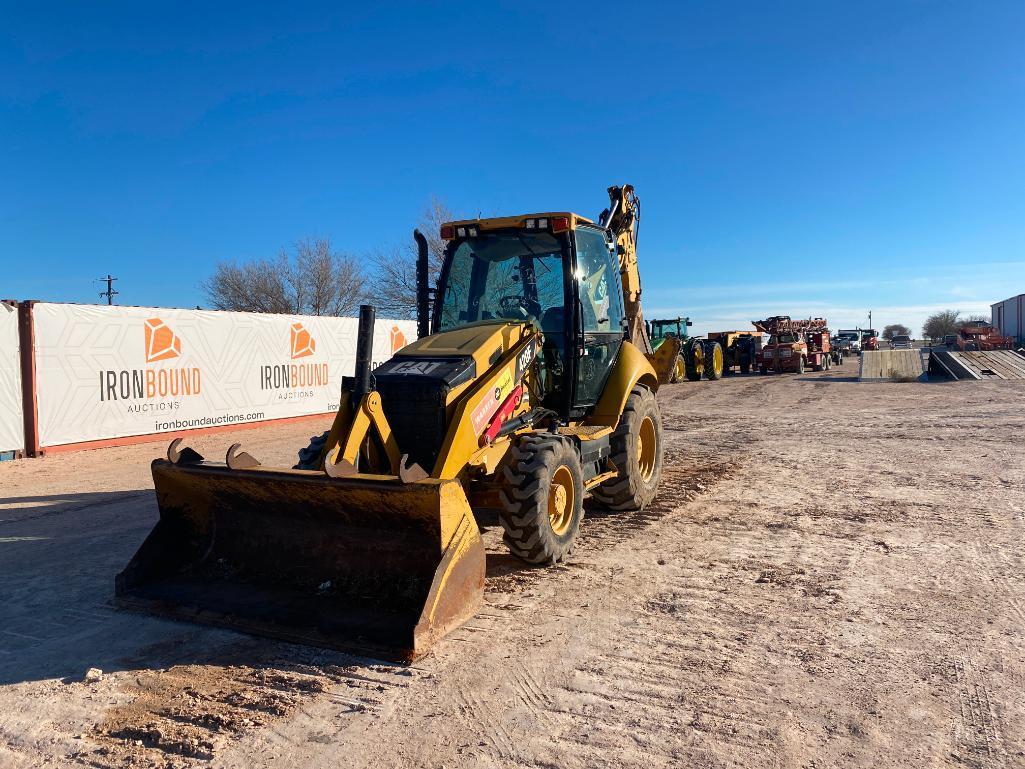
(631, 368)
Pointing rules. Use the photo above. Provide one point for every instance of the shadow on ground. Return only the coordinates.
(827, 379)
(59, 555)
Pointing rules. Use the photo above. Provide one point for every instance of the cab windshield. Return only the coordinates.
(660, 330)
(504, 275)
(783, 339)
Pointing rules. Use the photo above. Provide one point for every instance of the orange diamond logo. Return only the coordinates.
(302, 343)
(398, 339)
(161, 342)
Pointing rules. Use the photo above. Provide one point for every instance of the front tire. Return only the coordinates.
(637, 452)
(800, 365)
(543, 499)
(679, 370)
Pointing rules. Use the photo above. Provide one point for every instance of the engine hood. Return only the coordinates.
(485, 342)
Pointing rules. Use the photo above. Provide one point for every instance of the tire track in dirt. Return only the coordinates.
(602, 530)
(978, 733)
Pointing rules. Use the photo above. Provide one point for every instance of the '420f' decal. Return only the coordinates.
(525, 358)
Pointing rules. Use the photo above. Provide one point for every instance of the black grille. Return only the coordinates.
(415, 409)
(413, 394)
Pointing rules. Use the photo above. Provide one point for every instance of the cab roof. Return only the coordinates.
(519, 221)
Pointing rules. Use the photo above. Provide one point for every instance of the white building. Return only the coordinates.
(1009, 315)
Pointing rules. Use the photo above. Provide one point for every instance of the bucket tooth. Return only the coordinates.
(185, 456)
(343, 468)
(410, 473)
(240, 460)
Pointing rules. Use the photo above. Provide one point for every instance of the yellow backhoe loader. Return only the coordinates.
(532, 384)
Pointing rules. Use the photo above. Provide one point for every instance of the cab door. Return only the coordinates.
(599, 301)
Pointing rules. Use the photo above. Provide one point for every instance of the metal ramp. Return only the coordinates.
(890, 365)
(978, 364)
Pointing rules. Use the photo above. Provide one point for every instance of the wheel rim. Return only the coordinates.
(647, 445)
(699, 359)
(717, 360)
(680, 368)
(561, 500)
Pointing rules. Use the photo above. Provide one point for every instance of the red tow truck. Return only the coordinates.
(980, 335)
(794, 344)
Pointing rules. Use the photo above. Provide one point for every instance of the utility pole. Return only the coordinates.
(110, 293)
(870, 319)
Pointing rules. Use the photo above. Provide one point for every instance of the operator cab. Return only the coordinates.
(662, 329)
(557, 272)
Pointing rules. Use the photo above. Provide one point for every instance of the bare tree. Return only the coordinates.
(393, 287)
(942, 323)
(314, 280)
(895, 329)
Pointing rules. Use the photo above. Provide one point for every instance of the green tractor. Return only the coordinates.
(698, 357)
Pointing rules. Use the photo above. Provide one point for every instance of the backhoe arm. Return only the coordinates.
(623, 217)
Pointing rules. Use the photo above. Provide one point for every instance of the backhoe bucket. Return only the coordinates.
(366, 563)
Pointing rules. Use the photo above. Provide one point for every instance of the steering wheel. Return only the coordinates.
(518, 305)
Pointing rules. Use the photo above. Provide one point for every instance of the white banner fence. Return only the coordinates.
(12, 425)
(106, 373)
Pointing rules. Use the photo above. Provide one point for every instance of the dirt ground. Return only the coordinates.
(831, 575)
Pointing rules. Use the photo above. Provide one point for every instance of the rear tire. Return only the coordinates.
(637, 452)
(309, 457)
(713, 360)
(695, 357)
(543, 498)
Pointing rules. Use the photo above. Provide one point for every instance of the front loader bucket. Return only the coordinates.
(367, 563)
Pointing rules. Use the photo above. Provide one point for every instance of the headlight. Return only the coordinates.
(786, 352)
(766, 353)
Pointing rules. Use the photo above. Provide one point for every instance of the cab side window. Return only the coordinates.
(601, 311)
(598, 283)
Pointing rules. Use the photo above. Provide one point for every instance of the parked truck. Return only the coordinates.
(980, 335)
(848, 340)
(794, 345)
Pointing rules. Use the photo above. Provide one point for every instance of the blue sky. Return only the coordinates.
(813, 157)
